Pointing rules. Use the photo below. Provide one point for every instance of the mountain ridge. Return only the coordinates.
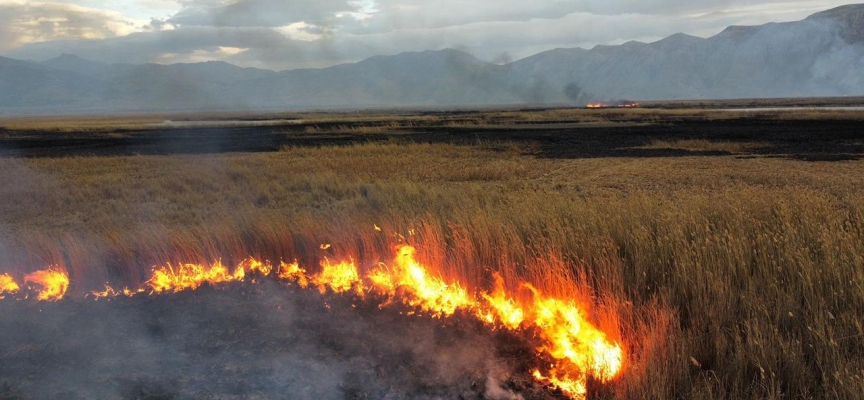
(822, 55)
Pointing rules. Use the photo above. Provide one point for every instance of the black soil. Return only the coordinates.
(813, 140)
(267, 340)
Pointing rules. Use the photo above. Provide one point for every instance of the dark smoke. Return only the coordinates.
(574, 92)
(265, 340)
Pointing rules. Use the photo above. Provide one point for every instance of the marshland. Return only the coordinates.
(724, 250)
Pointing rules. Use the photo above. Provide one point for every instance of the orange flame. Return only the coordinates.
(340, 277)
(576, 348)
(504, 309)
(7, 285)
(190, 276)
(52, 283)
(569, 336)
(293, 272)
(629, 104)
(427, 292)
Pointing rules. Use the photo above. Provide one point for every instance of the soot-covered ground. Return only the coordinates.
(266, 340)
(815, 139)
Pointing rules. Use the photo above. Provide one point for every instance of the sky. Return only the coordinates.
(291, 34)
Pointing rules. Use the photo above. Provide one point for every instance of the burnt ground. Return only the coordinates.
(267, 340)
(813, 140)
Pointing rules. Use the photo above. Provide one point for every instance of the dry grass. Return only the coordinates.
(726, 278)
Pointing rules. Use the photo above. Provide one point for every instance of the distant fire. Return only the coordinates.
(619, 104)
(576, 348)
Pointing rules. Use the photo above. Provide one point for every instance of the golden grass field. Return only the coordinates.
(726, 277)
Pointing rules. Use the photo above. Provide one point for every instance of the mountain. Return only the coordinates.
(819, 56)
(850, 20)
(26, 86)
(426, 78)
(822, 55)
(78, 65)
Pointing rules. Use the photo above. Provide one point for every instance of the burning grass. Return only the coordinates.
(720, 277)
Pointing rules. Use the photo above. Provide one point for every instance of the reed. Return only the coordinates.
(724, 277)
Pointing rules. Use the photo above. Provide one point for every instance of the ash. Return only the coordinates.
(254, 341)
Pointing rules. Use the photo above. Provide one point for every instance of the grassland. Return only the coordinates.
(725, 276)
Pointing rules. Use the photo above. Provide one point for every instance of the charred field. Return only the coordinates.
(721, 251)
(251, 341)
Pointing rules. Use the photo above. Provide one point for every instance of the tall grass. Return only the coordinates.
(725, 278)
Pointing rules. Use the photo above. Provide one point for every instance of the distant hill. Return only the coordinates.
(822, 55)
(819, 56)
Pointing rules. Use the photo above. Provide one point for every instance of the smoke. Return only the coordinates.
(573, 92)
(496, 391)
(265, 340)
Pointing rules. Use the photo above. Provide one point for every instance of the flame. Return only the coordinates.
(7, 285)
(293, 272)
(340, 277)
(427, 292)
(251, 265)
(622, 104)
(109, 292)
(506, 310)
(191, 276)
(569, 336)
(52, 283)
(575, 347)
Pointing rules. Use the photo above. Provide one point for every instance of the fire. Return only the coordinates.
(7, 285)
(429, 293)
(191, 276)
(505, 309)
(293, 272)
(340, 277)
(620, 104)
(575, 347)
(51, 283)
(571, 337)
(252, 265)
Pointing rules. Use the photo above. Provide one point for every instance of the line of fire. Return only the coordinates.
(612, 104)
(574, 350)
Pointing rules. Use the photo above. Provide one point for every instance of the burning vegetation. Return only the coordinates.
(570, 349)
(711, 283)
(615, 104)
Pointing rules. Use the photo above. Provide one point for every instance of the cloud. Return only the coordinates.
(292, 34)
(152, 46)
(412, 14)
(26, 22)
(259, 13)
